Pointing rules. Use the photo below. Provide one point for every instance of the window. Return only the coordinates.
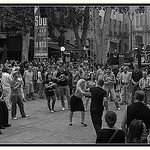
(141, 20)
(137, 21)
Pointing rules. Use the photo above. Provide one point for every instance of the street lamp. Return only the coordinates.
(62, 49)
(85, 52)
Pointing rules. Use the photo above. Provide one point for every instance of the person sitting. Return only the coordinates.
(136, 130)
(110, 134)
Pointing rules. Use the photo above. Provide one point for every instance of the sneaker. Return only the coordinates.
(52, 111)
(63, 108)
(25, 116)
(15, 118)
(118, 108)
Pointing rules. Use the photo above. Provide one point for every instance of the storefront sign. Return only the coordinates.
(40, 36)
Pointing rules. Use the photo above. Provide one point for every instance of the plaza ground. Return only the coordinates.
(44, 127)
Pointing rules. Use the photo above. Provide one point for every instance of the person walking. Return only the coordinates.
(16, 98)
(76, 103)
(98, 97)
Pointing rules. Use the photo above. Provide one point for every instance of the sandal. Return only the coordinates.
(84, 124)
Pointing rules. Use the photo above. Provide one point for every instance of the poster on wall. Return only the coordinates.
(40, 35)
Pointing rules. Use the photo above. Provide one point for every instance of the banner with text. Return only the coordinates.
(40, 35)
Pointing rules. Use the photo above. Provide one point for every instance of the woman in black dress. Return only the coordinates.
(49, 91)
(76, 103)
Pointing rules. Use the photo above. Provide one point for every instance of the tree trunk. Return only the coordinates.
(105, 32)
(25, 46)
(85, 25)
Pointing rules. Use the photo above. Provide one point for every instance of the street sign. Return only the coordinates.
(40, 35)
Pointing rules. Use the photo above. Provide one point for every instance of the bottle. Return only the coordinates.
(148, 139)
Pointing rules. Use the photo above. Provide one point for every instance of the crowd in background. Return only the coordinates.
(58, 81)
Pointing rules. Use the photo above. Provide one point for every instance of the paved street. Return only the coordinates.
(44, 127)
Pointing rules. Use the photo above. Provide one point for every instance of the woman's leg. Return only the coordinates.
(71, 116)
(48, 102)
(53, 102)
(82, 118)
(86, 103)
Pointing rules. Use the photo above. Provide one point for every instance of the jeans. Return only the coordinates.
(64, 90)
(125, 93)
(16, 99)
(40, 85)
(134, 89)
(112, 95)
(96, 116)
(3, 114)
(29, 88)
(7, 93)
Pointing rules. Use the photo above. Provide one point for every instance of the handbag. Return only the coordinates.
(113, 136)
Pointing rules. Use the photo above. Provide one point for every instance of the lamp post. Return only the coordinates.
(62, 49)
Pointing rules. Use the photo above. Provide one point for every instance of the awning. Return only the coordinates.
(68, 47)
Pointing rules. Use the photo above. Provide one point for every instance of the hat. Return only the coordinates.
(14, 72)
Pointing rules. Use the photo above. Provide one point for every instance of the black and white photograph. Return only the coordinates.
(75, 74)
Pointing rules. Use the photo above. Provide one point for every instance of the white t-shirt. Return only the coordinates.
(6, 79)
(125, 77)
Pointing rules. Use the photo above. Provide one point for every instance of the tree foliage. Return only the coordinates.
(17, 20)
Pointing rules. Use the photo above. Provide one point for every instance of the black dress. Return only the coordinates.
(76, 104)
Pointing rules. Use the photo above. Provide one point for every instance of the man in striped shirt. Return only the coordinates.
(144, 84)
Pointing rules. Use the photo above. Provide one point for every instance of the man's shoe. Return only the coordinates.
(25, 116)
(15, 118)
(2, 127)
(8, 125)
(63, 108)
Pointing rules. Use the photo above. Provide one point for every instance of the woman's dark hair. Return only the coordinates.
(110, 118)
(91, 76)
(135, 131)
(47, 76)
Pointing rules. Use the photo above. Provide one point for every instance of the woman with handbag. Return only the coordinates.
(110, 134)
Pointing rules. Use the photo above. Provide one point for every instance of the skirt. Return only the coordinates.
(76, 104)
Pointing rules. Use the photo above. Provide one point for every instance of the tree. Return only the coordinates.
(74, 17)
(100, 34)
(19, 21)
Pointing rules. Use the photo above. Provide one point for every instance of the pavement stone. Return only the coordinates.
(44, 127)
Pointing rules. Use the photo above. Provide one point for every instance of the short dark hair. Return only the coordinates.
(139, 95)
(100, 82)
(110, 118)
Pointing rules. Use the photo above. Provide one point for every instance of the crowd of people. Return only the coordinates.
(75, 83)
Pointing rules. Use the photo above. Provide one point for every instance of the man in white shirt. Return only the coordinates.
(144, 84)
(6, 79)
(125, 80)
